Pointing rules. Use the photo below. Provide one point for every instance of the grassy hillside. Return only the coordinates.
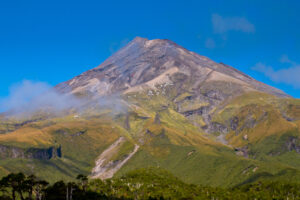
(263, 139)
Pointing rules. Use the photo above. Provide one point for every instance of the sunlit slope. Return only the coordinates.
(81, 141)
(257, 118)
(259, 124)
(167, 139)
(83, 138)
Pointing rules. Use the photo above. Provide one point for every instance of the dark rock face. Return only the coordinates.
(292, 144)
(200, 111)
(157, 119)
(163, 134)
(249, 123)
(127, 122)
(218, 128)
(79, 133)
(234, 123)
(31, 153)
(243, 151)
(289, 119)
(216, 95)
(148, 132)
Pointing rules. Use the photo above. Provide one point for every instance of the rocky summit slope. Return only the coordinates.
(143, 64)
(154, 103)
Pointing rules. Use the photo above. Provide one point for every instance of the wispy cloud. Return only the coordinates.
(286, 59)
(288, 75)
(30, 96)
(210, 43)
(222, 25)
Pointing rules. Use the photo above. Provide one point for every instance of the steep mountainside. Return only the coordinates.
(161, 105)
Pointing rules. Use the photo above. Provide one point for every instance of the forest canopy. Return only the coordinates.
(149, 183)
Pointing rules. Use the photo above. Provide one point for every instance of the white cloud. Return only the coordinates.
(210, 43)
(224, 24)
(30, 96)
(288, 75)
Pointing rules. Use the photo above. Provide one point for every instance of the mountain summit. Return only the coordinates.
(143, 63)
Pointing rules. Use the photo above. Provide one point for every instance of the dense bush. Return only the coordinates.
(151, 183)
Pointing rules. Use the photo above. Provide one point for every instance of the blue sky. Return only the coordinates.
(53, 41)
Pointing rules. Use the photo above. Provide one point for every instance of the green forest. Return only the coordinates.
(148, 183)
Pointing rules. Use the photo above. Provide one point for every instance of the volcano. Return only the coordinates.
(205, 122)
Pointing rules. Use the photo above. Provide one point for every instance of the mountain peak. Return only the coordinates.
(146, 43)
(144, 63)
(139, 39)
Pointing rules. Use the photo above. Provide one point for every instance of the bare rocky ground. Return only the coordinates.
(106, 168)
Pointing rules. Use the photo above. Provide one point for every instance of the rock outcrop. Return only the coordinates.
(30, 153)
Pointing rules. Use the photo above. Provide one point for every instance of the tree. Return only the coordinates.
(71, 187)
(57, 191)
(4, 190)
(40, 188)
(16, 182)
(83, 181)
(29, 184)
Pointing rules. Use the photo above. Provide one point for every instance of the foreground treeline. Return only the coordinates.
(152, 183)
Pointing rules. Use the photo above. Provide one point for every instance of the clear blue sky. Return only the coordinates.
(53, 41)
